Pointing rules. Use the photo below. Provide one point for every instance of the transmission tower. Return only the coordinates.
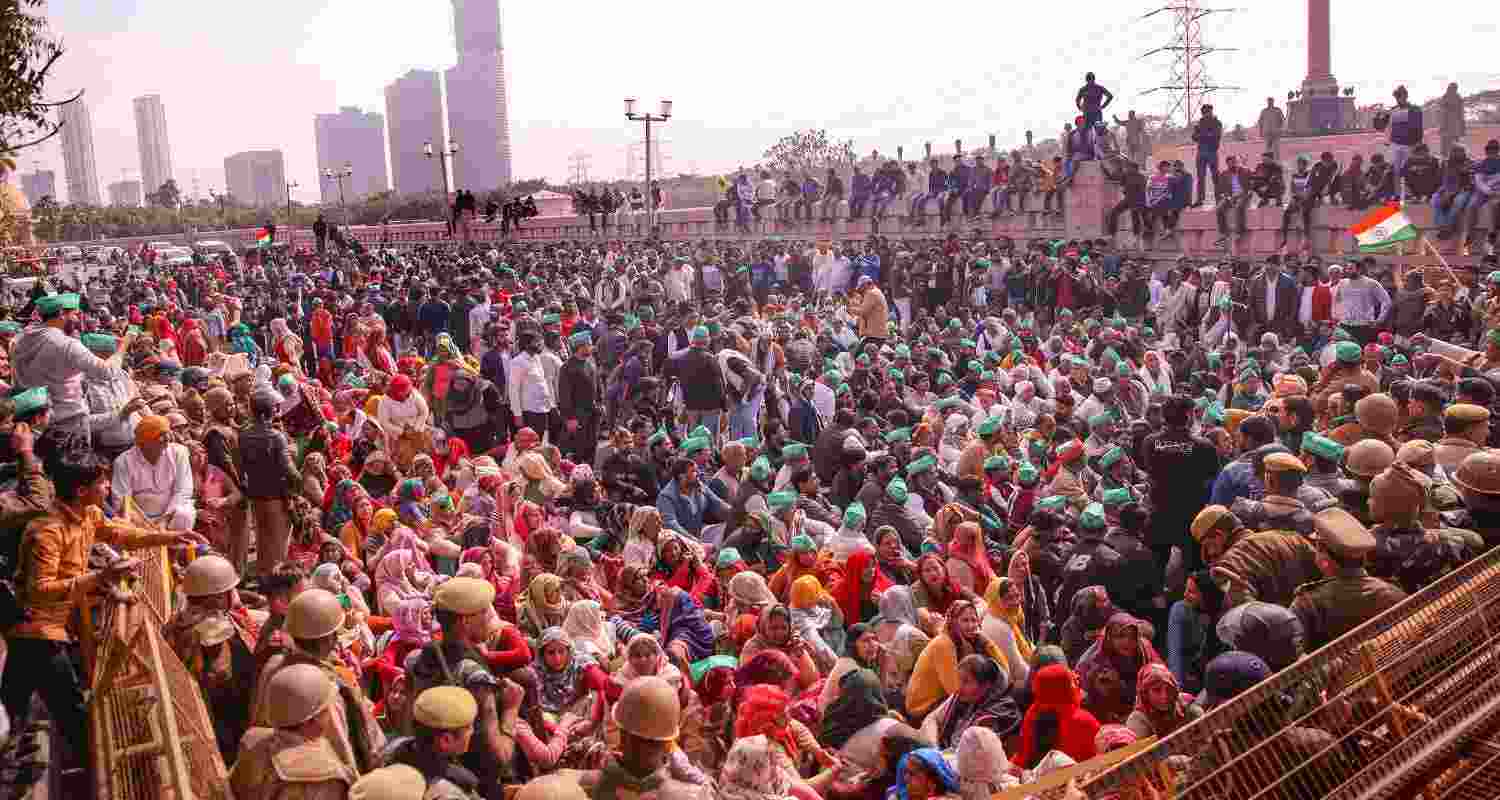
(579, 166)
(635, 164)
(1189, 82)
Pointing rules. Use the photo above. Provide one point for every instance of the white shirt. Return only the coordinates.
(824, 400)
(162, 491)
(527, 385)
(1271, 298)
(1305, 305)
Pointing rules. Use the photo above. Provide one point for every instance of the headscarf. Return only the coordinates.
(962, 645)
(1100, 655)
(772, 667)
(994, 599)
(591, 635)
(973, 554)
(752, 771)
(400, 388)
(860, 702)
(750, 593)
(1163, 721)
(853, 594)
(661, 667)
(631, 602)
(407, 620)
(763, 711)
(586, 587)
(933, 760)
(807, 592)
(950, 589)
(328, 577)
(541, 613)
(390, 575)
(522, 527)
(1090, 609)
(557, 689)
(1056, 691)
(762, 638)
(638, 549)
(345, 496)
(896, 605)
(983, 767)
(894, 571)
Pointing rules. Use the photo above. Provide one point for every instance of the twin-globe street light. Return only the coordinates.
(334, 175)
(648, 118)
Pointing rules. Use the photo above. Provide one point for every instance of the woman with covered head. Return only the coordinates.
(404, 416)
(543, 552)
(1109, 668)
(774, 630)
(1161, 707)
(400, 575)
(1005, 624)
(355, 634)
(1090, 609)
(924, 774)
(934, 592)
(983, 700)
(763, 711)
(803, 561)
(592, 634)
(569, 685)
(379, 476)
(679, 564)
(1056, 720)
(818, 621)
(542, 606)
(642, 532)
(666, 611)
(576, 569)
(890, 554)
(859, 587)
(968, 562)
(936, 675)
(983, 768)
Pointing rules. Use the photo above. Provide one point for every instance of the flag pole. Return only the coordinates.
(1443, 261)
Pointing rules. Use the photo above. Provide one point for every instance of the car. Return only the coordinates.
(159, 246)
(70, 253)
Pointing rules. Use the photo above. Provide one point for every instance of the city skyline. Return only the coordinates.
(153, 141)
(354, 138)
(80, 168)
(478, 108)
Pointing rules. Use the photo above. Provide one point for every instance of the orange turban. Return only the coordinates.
(151, 428)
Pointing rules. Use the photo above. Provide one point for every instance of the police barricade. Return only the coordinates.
(1405, 706)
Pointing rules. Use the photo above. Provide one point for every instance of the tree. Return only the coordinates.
(27, 53)
(528, 186)
(809, 151)
(168, 196)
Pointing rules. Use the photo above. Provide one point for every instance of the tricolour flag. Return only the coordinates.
(1382, 229)
(262, 237)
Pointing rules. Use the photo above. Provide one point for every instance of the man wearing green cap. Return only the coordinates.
(701, 381)
(578, 400)
(49, 356)
(894, 510)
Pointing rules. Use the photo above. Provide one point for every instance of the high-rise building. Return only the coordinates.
(478, 108)
(125, 194)
(151, 137)
(39, 184)
(79, 168)
(355, 138)
(256, 177)
(414, 117)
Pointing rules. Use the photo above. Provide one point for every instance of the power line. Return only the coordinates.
(578, 168)
(1189, 82)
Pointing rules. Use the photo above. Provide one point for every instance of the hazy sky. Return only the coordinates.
(239, 76)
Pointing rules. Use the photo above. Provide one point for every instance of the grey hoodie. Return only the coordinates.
(43, 356)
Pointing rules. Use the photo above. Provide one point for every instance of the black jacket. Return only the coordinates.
(702, 380)
(265, 463)
(577, 395)
(1182, 468)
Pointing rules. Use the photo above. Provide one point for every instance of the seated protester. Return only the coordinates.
(858, 702)
(862, 653)
(774, 630)
(1033, 608)
(570, 696)
(859, 587)
(579, 581)
(894, 512)
(983, 700)
(851, 536)
(934, 593)
(748, 598)
(763, 712)
(542, 606)
(753, 771)
(1191, 638)
(968, 560)
(1161, 707)
(667, 611)
(727, 564)
(1056, 720)
(1089, 610)
(936, 675)
(803, 561)
(818, 621)
(1109, 669)
(642, 534)
(679, 564)
(983, 766)
(1003, 624)
(892, 558)
(925, 775)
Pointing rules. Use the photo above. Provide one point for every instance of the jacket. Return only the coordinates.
(1287, 298)
(874, 314)
(265, 462)
(1266, 566)
(701, 378)
(1407, 311)
(1207, 133)
(577, 395)
(45, 356)
(1406, 128)
(684, 513)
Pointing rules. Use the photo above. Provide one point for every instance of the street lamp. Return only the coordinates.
(289, 187)
(339, 175)
(443, 158)
(648, 118)
(218, 198)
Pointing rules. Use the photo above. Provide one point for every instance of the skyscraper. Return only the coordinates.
(39, 184)
(256, 177)
(356, 138)
(125, 194)
(151, 137)
(478, 108)
(79, 169)
(414, 116)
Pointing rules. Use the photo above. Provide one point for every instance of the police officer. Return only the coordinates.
(1466, 428)
(1406, 551)
(224, 667)
(1281, 508)
(292, 758)
(396, 782)
(442, 730)
(649, 714)
(1442, 495)
(313, 621)
(1364, 460)
(1348, 596)
(1478, 483)
(1246, 565)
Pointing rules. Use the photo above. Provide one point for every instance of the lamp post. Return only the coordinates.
(289, 187)
(218, 198)
(443, 157)
(339, 175)
(648, 118)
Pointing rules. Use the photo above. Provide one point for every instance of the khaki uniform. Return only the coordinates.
(347, 719)
(282, 765)
(1334, 606)
(1267, 566)
(1451, 451)
(1274, 513)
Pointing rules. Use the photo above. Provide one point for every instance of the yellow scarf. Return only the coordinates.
(1015, 616)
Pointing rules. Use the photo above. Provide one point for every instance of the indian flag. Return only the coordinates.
(262, 237)
(1382, 229)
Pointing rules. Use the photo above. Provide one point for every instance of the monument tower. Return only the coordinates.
(1321, 107)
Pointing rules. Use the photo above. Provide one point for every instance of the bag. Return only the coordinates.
(12, 612)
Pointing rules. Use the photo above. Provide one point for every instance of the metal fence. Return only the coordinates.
(1405, 706)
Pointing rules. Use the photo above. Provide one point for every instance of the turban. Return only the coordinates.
(151, 428)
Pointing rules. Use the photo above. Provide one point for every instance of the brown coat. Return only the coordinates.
(874, 313)
(1331, 608)
(1451, 451)
(282, 765)
(1266, 566)
(1334, 380)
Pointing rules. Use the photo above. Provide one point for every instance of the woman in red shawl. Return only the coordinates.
(1108, 670)
(379, 352)
(457, 451)
(1056, 719)
(858, 590)
(194, 349)
(934, 592)
(967, 548)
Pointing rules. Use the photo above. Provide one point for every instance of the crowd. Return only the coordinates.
(779, 520)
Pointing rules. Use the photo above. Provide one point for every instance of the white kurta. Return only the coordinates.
(162, 491)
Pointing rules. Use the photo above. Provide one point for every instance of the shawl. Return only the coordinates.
(591, 635)
(750, 594)
(1099, 657)
(752, 771)
(523, 528)
(1163, 721)
(390, 576)
(1057, 692)
(762, 638)
(933, 760)
(661, 667)
(407, 621)
(1036, 611)
(964, 646)
(924, 596)
(771, 667)
(983, 767)
(856, 595)
(558, 689)
(672, 612)
(763, 712)
(1090, 609)
(995, 710)
(898, 605)
(637, 548)
(893, 570)
(973, 554)
(534, 606)
(994, 599)
(586, 587)
(345, 495)
(860, 702)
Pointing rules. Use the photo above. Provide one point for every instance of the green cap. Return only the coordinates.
(841, 390)
(781, 500)
(902, 351)
(1053, 502)
(896, 490)
(1102, 418)
(803, 543)
(1398, 360)
(31, 401)
(551, 319)
(1322, 447)
(657, 438)
(969, 343)
(1092, 517)
(988, 426)
(1214, 413)
(1215, 360)
(1341, 335)
(854, 514)
(947, 403)
(750, 443)
(1111, 456)
(728, 557)
(1027, 473)
(921, 465)
(1117, 497)
(99, 342)
(794, 450)
(632, 322)
(896, 374)
(581, 339)
(698, 334)
(997, 462)
(52, 304)
(701, 432)
(693, 444)
(943, 379)
(1346, 352)
(1122, 370)
(1494, 277)
(12, 327)
(760, 469)
(898, 435)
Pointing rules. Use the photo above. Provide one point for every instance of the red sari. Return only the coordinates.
(852, 592)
